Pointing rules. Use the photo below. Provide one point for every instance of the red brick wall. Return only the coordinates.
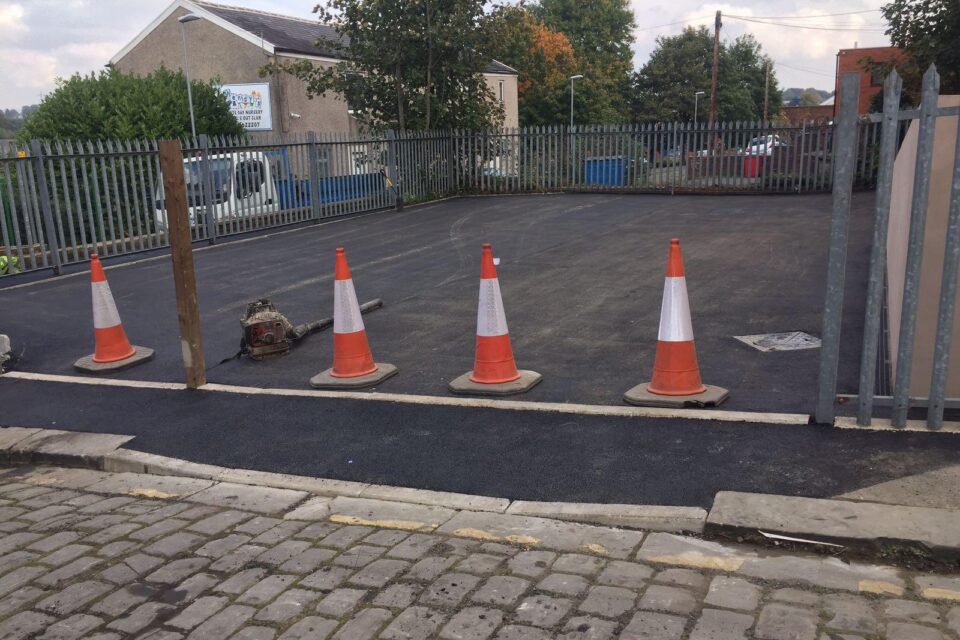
(853, 60)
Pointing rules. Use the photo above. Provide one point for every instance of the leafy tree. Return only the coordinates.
(544, 59)
(681, 65)
(114, 105)
(407, 65)
(929, 32)
(8, 126)
(601, 32)
(810, 98)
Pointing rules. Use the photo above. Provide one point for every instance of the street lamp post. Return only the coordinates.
(573, 159)
(696, 99)
(572, 78)
(190, 17)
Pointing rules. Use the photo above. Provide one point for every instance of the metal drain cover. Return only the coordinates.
(787, 341)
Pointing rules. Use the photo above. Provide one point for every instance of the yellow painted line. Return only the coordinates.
(934, 593)
(884, 424)
(593, 547)
(152, 493)
(880, 587)
(486, 536)
(440, 401)
(700, 561)
(406, 525)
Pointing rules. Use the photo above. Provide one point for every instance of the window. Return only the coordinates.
(250, 178)
(501, 91)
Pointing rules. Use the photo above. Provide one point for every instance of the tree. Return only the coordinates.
(8, 125)
(544, 59)
(114, 105)
(406, 65)
(810, 98)
(929, 32)
(601, 32)
(681, 65)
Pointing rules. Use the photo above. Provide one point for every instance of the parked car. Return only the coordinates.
(763, 145)
(240, 186)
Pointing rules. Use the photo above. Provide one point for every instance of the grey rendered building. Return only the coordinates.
(234, 43)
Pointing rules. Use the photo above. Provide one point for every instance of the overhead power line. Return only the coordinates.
(822, 15)
(868, 29)
(670, 24)
(819, 73)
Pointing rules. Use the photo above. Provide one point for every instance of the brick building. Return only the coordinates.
(870, 83)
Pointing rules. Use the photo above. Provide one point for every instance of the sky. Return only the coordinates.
(41, 40)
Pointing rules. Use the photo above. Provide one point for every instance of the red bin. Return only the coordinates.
(752, 166)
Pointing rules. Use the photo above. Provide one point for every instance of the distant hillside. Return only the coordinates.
(792, 95)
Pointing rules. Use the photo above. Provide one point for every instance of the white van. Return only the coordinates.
(243, 185)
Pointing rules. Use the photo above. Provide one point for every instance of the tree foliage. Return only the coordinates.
(681, 65)
(601, 32)
(929, 32)
(407, 65)
(544, 59)
(114, 105)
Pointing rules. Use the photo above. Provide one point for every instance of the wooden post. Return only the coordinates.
(715, 71)
(766, 92)
(181, 251)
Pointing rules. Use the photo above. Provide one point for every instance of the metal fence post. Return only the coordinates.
(948, 296)
(393, 170)
(844, 164)
(51, 231)
(878, 254)
(207, 177)
(918, 218)
(314, 160)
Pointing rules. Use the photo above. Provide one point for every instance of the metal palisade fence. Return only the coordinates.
(60, 201)
(902, 366)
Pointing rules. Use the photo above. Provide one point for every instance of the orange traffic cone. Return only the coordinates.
(494, 369)
(353, 365)
(676, 375)
(113, 350)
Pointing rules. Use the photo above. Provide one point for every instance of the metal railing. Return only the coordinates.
(61, 201)
(892, 123)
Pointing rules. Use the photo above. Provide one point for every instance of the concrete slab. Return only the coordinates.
(10, 436)
(641, 396)
(249, 498)
(60, 477)
(630, 516)
(819, 571)
(936, 488)
(140, 355)
(150, 486)
(319, 486)
(541, 532)
(52, 446)
(326, 379)
(312, 509)
(463, 385)
(865, 525)
(390, 515)
(447, 499)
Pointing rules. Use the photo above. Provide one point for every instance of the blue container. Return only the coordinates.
(611, 171)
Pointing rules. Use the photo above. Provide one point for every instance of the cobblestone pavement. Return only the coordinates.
(86, 554)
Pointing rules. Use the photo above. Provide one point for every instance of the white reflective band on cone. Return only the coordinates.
(675, 323)
(491, 320)
(104, 309)
(346, 309)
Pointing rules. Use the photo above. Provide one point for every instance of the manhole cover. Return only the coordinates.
(788, 341)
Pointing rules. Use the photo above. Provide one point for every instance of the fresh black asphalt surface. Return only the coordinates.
(581, 276)
(582, 279)
(517, 455)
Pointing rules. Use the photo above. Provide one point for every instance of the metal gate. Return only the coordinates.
(845, 155)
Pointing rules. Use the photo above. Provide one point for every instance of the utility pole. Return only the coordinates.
(766, 91)
(715, 72)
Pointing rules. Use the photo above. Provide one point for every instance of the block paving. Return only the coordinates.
(75, 563)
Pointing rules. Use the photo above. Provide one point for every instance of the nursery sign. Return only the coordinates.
(250, 103)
